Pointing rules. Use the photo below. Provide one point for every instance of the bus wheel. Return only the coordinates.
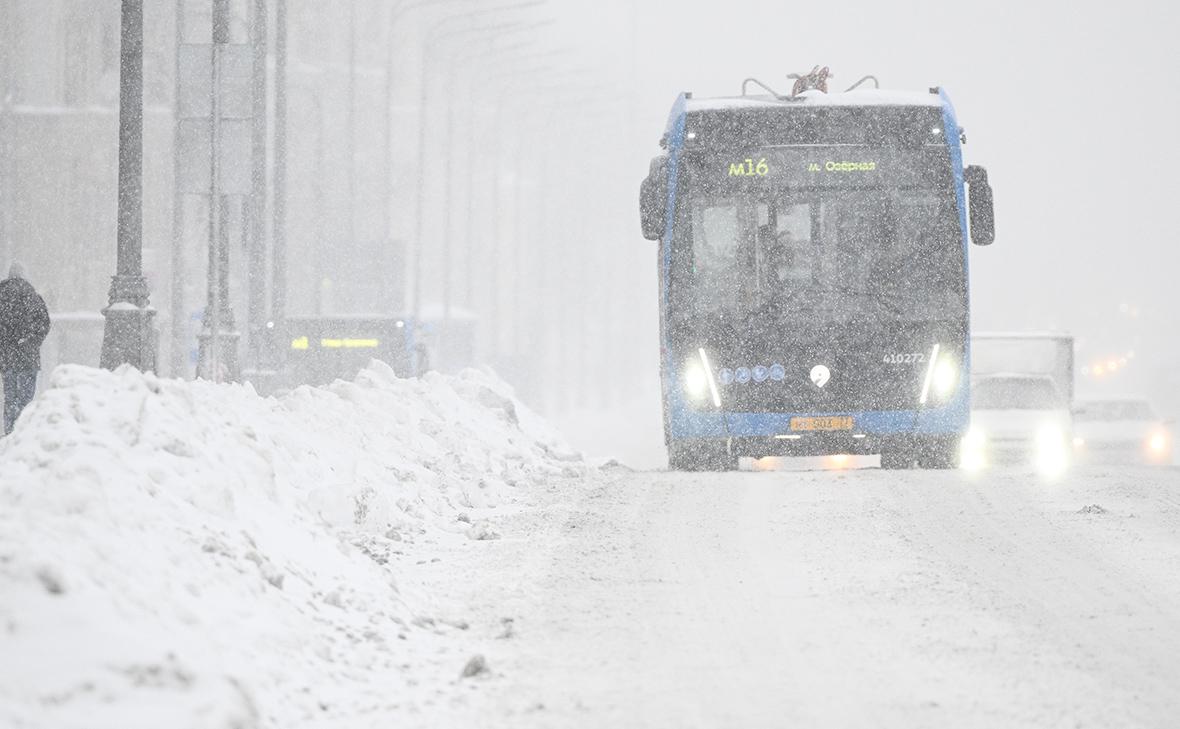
(897, 458)
(700, 456)
(939, 454)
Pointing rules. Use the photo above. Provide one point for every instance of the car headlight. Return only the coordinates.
(1051, 454)
(973, 450)
(1158, 442)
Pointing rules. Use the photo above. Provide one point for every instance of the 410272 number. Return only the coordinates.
(906, 358)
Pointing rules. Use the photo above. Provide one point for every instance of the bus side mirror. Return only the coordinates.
(983, 213)
(653, 200)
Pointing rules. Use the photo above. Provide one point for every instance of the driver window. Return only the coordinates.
(716, 235)
(789, 252)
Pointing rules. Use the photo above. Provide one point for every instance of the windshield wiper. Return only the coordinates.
(879, 297)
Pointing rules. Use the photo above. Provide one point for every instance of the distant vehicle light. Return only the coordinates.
(1158, 442)
(300, 343)
(349, 343)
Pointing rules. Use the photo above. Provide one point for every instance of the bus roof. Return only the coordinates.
(860, 97)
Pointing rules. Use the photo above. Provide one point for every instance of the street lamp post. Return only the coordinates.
(497, 208)
(438, 33)
(7, 16)
(217, 358)
(503, 53)
(256, 278)
(278, 287)
(485, 81)
(398, 13)
(128, 337)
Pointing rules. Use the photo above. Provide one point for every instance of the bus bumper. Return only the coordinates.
(771, 434)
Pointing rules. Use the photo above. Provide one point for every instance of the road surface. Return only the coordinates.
(835, 598)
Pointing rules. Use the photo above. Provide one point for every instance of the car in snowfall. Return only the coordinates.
(1121, 430)
(1018, 419)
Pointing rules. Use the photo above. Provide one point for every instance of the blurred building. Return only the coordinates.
(59, 91)
(528, 240)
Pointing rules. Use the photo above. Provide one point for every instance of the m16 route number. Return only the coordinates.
(749, 168)
(907, 358)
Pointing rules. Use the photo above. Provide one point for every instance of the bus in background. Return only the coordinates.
(813, 275)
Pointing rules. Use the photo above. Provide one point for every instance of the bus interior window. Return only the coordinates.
(793, 244)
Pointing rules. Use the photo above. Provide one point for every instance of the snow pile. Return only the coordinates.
(191, 554)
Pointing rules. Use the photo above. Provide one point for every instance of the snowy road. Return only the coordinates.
(193, 555)
(860, 598)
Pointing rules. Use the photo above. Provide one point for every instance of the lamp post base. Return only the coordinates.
(129, 337)
(222, 365)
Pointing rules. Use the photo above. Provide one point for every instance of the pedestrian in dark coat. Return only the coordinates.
(24, 324)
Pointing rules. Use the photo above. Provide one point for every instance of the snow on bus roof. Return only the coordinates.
(860, 97)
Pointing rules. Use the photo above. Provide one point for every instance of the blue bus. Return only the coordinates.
(813, 275)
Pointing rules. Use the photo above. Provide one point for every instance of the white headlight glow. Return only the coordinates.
(946, 376)
(1052, 454)
(696, 383)
(973, 450)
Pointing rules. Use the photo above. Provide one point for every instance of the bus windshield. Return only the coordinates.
(826, 255)
(1015, 393)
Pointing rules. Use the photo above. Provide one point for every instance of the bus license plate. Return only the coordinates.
(841, 422)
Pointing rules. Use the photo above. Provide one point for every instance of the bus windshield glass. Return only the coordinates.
(846, 242)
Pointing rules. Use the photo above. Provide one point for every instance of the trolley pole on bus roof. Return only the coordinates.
(128, 337)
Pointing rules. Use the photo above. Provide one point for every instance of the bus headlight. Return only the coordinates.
(696, 383)
(946, 377)
(698, 379)
(942, 376)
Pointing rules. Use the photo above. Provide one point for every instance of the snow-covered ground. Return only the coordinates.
(189, 554)
(192, 555)
(854, 598)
